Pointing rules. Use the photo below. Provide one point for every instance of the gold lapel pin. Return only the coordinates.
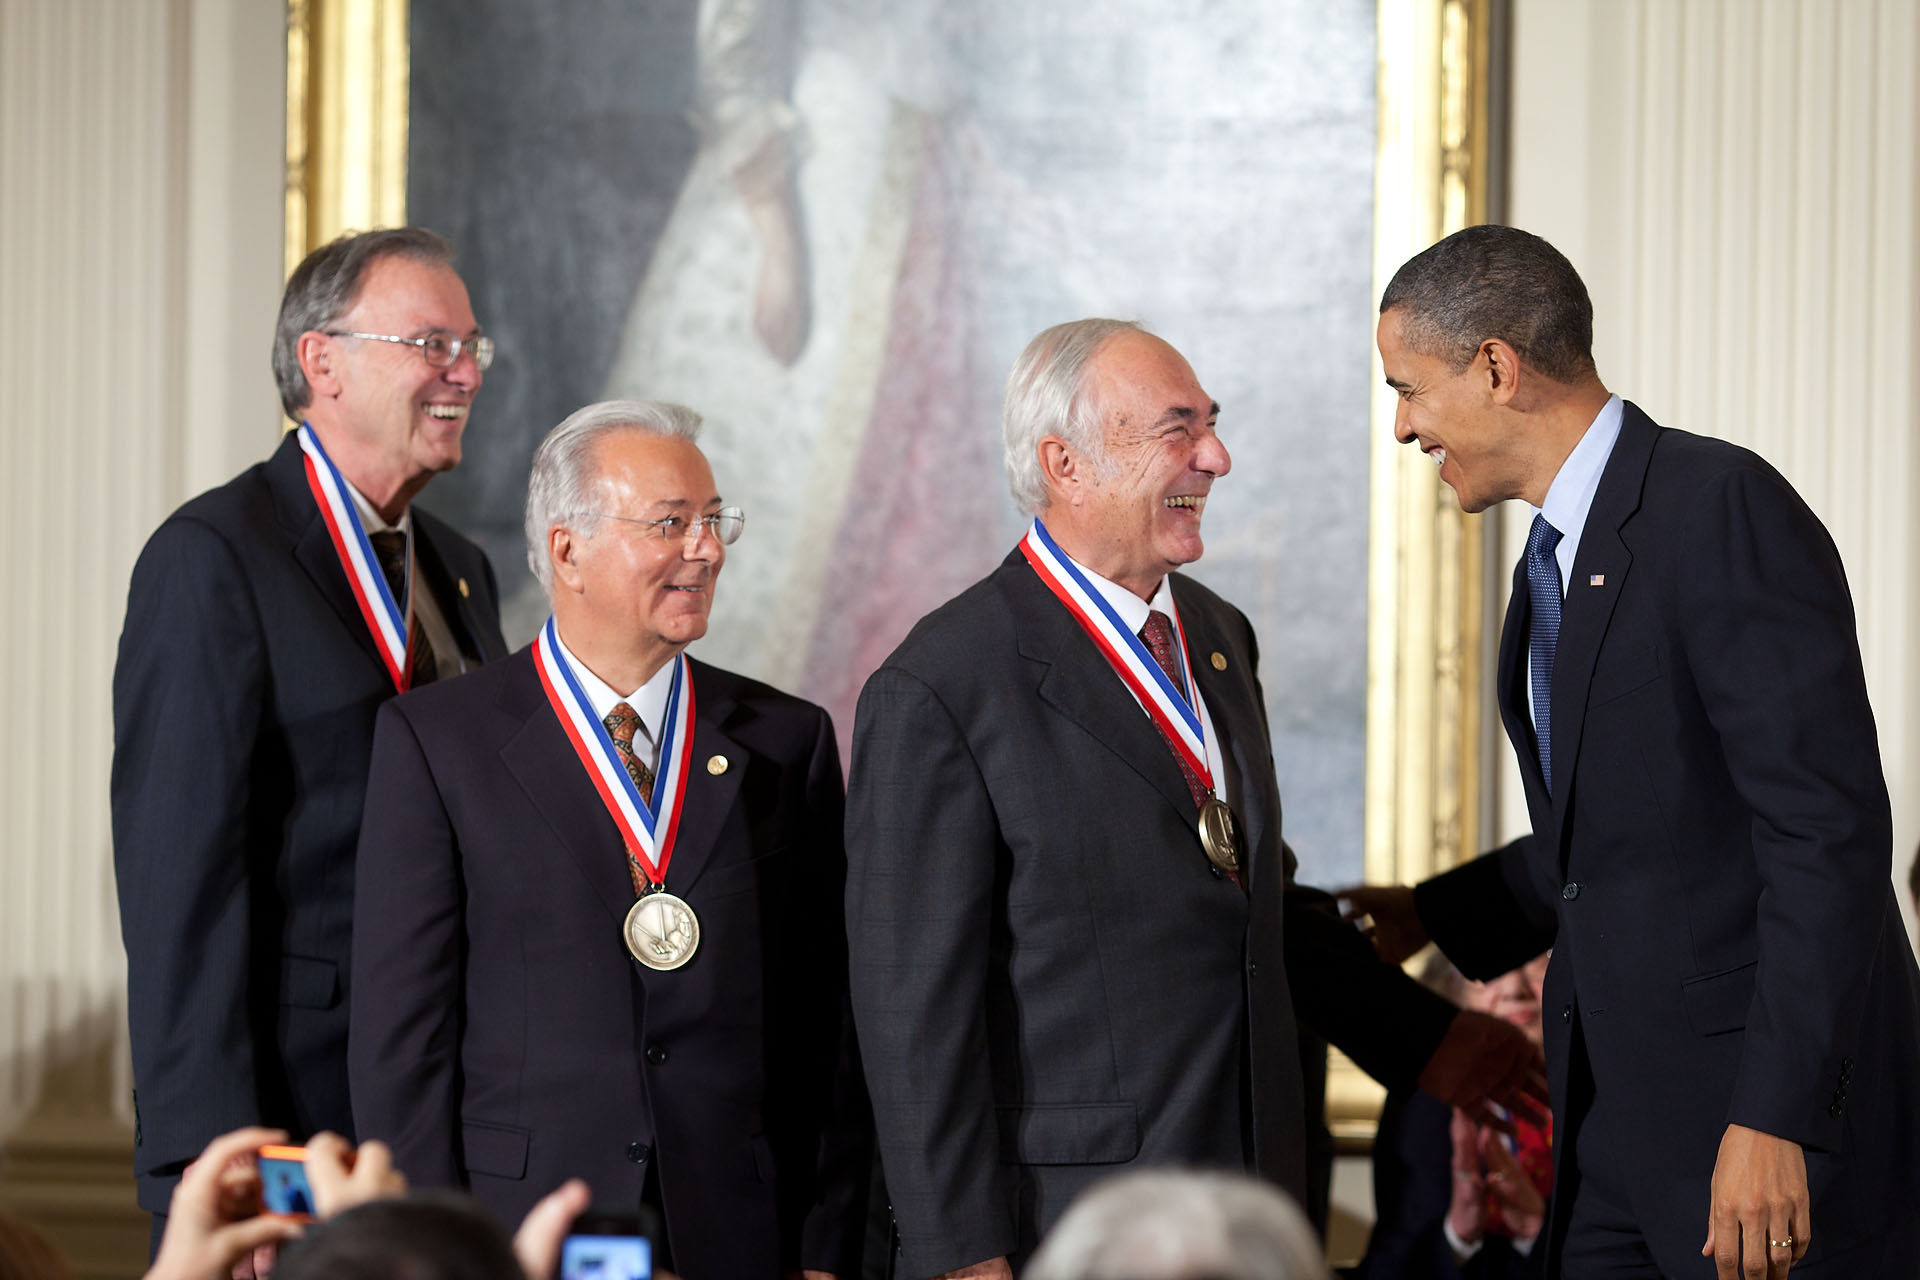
(464, 593)
(1219, 660)
(717, 765)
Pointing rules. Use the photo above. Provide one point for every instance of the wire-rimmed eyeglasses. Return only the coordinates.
(725, 525)
(439, 348)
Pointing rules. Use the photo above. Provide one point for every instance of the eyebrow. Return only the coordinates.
(678, 504)
(1180, 413)
(1398, 385)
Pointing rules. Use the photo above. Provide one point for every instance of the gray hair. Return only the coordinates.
(1047, 395)
(1181, 1225)
(561, 487)
(325, 286)
(1495, 282)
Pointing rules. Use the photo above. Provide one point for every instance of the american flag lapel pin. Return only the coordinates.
(1597, 580)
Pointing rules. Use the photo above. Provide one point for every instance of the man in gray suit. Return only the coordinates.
(1075, 944)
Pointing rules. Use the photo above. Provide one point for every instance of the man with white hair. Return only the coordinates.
(1075, 942)
(1181, 1224)
(598, 922)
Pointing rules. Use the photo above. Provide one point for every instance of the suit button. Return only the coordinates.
(1570, 891)
(1835, 1110)
(1566, 1013)
(637, 1152)
(1217, 873)
(656, 1055)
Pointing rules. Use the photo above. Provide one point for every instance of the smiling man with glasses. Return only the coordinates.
(600, 884)
(267, 621)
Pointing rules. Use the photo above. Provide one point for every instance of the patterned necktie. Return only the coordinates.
(1543, 634)
(390, 545)
(1157, 635)
(621, 722)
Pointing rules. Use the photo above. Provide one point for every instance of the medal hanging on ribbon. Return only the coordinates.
(1175, 710)
(661, 930)
(385, 617)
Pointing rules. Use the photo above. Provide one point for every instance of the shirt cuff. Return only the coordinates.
(1461, 1249)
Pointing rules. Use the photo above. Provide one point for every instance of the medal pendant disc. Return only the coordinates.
(661, 931)
(1220, 834)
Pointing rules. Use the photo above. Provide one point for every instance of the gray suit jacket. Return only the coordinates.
(1050, 982)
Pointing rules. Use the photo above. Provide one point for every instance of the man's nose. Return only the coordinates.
(1402, 424)
(700, 544)
(1212, 456)
(464, 372)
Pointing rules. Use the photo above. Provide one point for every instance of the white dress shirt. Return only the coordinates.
(649, 702)
(1570, 496)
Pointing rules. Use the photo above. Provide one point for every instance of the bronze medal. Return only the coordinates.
(1220, 834)
(661, 931)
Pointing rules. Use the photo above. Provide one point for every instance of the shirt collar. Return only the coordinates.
(371, 520)
(649, 701)
(1132, 609)
(1570, 496)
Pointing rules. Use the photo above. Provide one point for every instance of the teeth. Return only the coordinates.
(447, 412)
(1186, 500)
(1439, 456)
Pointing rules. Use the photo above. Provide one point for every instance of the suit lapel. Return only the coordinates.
(313, 549)
(455, 601)
(1235, 722)
(542, 760)
(1077, 682)
(1512, 685)
(710, 796)
(1603, 555)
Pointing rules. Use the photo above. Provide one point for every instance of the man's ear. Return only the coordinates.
(1061, 467)
(1503, 369)
(563, 557)
(315, 352)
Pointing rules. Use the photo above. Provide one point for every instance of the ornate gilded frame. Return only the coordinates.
(1427, 746)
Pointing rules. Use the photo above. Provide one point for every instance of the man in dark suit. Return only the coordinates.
(262, 635)
(1732, 1008)
(1066, 961)
(599, 920)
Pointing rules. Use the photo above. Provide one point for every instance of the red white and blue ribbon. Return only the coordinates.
(1173, 708)
(647, 823)
(386, 618)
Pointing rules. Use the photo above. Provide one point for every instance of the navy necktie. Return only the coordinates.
(1543, 633)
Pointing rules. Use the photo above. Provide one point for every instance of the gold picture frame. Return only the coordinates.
(1427, 746)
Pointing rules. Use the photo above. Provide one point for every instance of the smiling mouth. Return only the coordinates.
(448, 412)
(1187, 502)
(1439, 454)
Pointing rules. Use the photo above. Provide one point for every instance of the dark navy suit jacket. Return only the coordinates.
(1712, 869)
(503, 1039)
(243, 700)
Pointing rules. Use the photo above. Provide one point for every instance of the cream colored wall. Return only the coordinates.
(141, 180)
(1736, 181)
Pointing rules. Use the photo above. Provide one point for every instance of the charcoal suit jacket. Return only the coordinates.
(1051, 983)
(1712, 866)
(243, 703)
(503, 1039)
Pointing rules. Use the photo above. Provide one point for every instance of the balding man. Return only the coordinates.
(599, 921)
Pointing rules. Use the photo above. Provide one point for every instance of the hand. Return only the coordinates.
(782, 307)
(1387, 916)
(214, 1220)
(537, 1242)
(1484, 1059)
(1467, 1214)
(1522, 1207)
(342, 1177)
(1759, 1197)
(991, 1269)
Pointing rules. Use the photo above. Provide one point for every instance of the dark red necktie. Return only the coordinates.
(1157, 635)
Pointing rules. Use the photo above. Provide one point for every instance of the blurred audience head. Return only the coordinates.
(1181, 1225)
(1512, 997)
(427, 1236)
